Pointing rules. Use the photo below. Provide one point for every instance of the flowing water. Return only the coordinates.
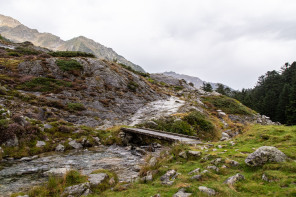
(21, 175)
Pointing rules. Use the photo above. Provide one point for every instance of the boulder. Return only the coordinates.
(194, 154)
(182, 193)
(60, 148)
(234, 179)
(47, 126)
(77, 190)
(96, 179)
(40, 144)
(264, 155)
(207, 190)
(75, 145)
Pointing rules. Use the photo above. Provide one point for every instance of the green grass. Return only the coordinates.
(283, 174)
(71, 54)
(69, 65)
(43, 84)
(228, 105)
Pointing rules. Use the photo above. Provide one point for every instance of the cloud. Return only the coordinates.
(229, 41)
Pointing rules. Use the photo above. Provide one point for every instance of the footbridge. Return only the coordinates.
(162, 135)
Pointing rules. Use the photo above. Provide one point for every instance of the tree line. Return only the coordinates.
(274, 94)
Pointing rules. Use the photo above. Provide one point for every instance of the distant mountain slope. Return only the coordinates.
(17, 32)
(195, 80)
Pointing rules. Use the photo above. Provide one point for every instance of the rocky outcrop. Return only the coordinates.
(265, 154)
(169, 177)
(82, 189)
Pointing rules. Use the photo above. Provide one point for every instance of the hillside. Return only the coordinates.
(60, 120)
(17, 32)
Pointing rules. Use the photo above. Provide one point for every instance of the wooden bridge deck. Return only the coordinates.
(164, 135)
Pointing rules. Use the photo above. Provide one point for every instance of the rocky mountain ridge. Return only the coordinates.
(17, 32)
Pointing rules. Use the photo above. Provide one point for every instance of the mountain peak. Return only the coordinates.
(8, 21)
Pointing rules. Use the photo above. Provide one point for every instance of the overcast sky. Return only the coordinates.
(227, 41)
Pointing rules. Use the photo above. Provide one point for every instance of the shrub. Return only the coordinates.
(181, 127)
(75, 107)
(132, 86)
(134, 71)
(71, 54)
(27, 51)
(64, 129)
(43, 84)
(69, 65)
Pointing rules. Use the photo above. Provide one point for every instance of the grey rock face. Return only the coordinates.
(182, 193)
(264, 155)
(96, 179)
(40, 144)
(60, 148)
(77, 190)
(234, 179)
(207, 190)
(75, 145)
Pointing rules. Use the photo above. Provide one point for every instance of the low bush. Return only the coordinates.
(71, 54)
(69, 65)
(75, 107)
(73, 177)
(26, 51)
(43, 84)
(134, 71)
(132, 86)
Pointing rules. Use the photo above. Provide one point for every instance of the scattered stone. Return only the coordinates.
(265, 178)
(214, 149)
(141, 151)
(112, 181)
(152, 161)
(204, 172)
(169, 177)
(220, 146)
(215, 168)
(60, 148)
(234, 179)
(233, 163)
(96, 179)
(216, 161)
(56, 172)
(75, 145)
(47, 126)
(197, 170)
(23, 196)
(207, 190)
(183, 154)
(196, 177)
(97, 140)
(77, 190)
(195, 154)
(40, 144)
(147, 178)
(182, 193)
(232, 143)
(224, 166)
(265, 154)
